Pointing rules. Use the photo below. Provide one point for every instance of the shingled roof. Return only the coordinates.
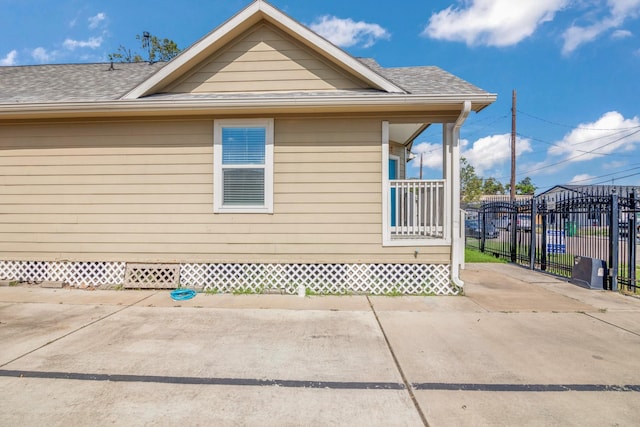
(428, 80)
(42, 84)
(71, 82)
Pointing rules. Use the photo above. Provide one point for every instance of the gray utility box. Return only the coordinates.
(588, 272)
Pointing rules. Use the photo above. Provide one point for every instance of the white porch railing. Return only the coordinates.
(417, 209)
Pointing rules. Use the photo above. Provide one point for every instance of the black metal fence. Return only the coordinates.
(552, 232)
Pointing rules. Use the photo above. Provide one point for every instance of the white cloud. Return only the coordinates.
(494, 150)
(347, 32)
(620, 10)
(575, 36)
(93, 43)
(431, 155)
(41, 55)
(492, 22)
(615, 164)
(610, 133)
(10, 59)
(621, 34)
(95, 21)
(581, 179)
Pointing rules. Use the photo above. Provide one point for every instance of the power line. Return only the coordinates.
(577, 143)
(432, 132)
(568, 159)
(602, 176)
(477, 131)
(573, 145)
(620, 177)
(570, 126)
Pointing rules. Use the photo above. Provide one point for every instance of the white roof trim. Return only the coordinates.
(254, 12)
(150, 106)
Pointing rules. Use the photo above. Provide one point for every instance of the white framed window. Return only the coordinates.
(243, 166)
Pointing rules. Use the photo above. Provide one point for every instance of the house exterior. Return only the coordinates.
(262, 157)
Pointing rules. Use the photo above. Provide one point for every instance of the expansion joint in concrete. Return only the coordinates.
(407, 385)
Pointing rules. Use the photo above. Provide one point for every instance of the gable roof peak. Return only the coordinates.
(258, 11)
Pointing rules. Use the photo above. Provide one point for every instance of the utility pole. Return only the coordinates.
(513, 147)
(421, 154)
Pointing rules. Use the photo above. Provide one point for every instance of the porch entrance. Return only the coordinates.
(393, 174)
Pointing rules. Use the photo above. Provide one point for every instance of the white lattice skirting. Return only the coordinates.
(375, 279)
(73, 273)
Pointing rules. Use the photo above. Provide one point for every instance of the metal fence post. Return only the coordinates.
(631, 242)
(483, 228)
(532, 247)
(614, 236)
(514, 232)
(543, 243)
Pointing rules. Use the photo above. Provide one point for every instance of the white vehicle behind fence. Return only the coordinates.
(502, 221)
(523, 222)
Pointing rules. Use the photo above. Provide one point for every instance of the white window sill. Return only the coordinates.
(247, 210)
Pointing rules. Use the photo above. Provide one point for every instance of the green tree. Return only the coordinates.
(470, 183)
(525, 186)
(156, 49)
(492, 186)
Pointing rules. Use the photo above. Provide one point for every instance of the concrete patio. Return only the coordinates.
(520, 348)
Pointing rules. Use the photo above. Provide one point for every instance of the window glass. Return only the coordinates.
(243, 187)
(243, 146)
(243, 165)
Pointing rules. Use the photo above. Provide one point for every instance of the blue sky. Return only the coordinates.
(574, 63)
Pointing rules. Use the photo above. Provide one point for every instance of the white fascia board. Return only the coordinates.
(149, 105)
(260, 9)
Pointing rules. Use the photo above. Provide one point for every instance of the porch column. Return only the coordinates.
(452, 147)
(451, 172)
(447, 138)
(386, 233)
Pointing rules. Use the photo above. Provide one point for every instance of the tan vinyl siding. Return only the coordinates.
(143, 191)
(265, 59)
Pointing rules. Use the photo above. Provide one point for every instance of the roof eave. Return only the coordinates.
(387, 102)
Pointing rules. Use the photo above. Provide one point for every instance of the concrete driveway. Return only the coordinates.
(520, 348)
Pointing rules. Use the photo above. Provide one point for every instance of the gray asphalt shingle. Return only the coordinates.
(71, 82)
(429, 80)
(98, 82)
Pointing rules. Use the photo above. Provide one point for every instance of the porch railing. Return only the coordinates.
(417, 209)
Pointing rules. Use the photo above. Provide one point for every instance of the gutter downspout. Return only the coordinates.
(456, 230)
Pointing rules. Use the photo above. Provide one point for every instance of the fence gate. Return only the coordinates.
(570, 226)
(548, 232)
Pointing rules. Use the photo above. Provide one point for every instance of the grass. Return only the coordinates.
(246, 290)
(593, 231)
(471, 255)
(630, 290)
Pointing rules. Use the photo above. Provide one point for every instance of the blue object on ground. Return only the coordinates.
(182, 294)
